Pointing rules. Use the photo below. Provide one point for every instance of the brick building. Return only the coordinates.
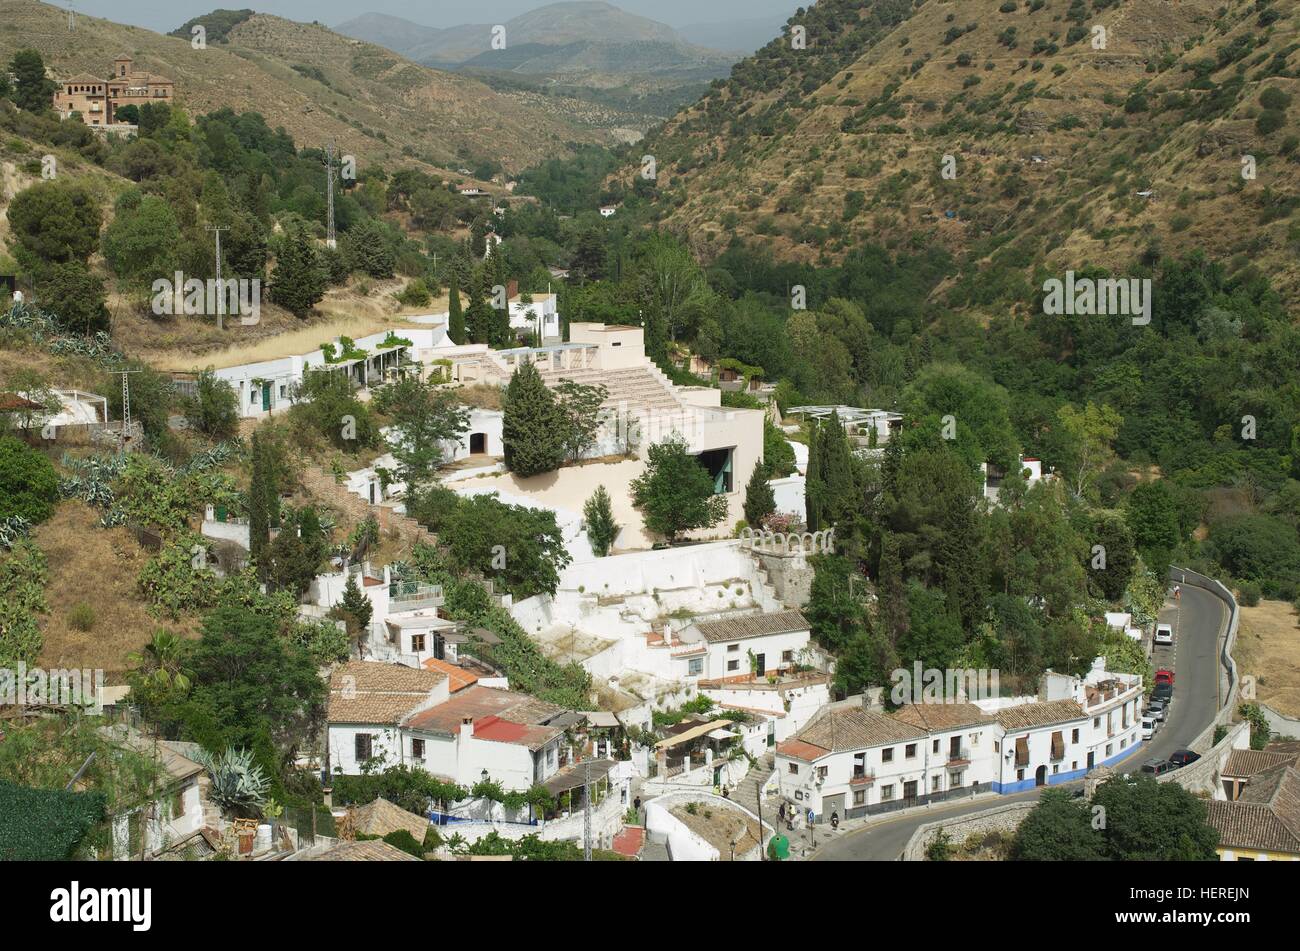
(97, 100)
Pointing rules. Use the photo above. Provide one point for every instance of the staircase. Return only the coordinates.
(321, 485)
(634, 386)
(746, 792)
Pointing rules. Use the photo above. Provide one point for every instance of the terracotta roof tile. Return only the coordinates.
(371, 850)
(374, 692)
(1244, 763)
(1028, 715)
(855, 728)
(942, 716)
(458, 677)
(752, 625)
(1267, 816)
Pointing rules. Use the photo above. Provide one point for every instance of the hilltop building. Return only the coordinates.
(97, 100)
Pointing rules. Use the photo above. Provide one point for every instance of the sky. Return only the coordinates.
(165, 15)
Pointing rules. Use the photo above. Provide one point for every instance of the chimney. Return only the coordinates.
(466, 728)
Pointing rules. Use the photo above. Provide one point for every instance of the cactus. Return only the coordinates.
(238, 785)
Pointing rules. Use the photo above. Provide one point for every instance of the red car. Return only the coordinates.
(1165, 677)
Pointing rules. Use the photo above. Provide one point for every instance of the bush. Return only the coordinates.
(29, 486)
(82, 616)
(1248, 594)
(1269, 121)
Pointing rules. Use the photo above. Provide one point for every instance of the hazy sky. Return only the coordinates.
(164, 15)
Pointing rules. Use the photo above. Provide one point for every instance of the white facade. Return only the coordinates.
(540, 313)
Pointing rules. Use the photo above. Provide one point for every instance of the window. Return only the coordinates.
(732, 648)
(417, 643)
(695, 666)
(860, 797)
(935, 783)
(178, 804)
(417, 749)
(787, 657)
(364, 747)
(821, 772)
(859, 765)
(935, 748)
(887, 756)
(1055, 769)
(1109, 747)
(1074, 764)
(910, 751)
(887, 793)
(1020, 774)
(1096, 723)
(550, 757)
(1074, 735)
(955, 779)
(733, 665)
(793, 769)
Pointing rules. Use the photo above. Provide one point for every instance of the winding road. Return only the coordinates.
(1200, 619)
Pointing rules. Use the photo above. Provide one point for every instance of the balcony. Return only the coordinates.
(959, 757)
(1058, 752)
(862, 779)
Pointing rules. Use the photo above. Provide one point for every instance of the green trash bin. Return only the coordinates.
(778, 848)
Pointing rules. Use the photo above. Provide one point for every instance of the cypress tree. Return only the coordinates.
(835, 472)
(598, 515)
(259, 511)
(813, 480)
(891, 595)
(502, 335)
(760, 500)
(533, 427)
(455, 315)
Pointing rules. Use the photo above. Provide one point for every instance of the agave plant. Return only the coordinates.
(13, 528)
(238, 784)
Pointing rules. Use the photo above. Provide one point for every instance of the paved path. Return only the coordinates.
(1200, 620)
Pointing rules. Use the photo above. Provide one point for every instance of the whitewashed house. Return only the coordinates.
(368, 703)
(854, 761)
(745, 646)
(176, 813)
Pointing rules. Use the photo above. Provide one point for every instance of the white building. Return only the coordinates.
(740, 647)
(608, 211)
(538, 313)
(854, 761)
(398, 715)
(1030, 469)
(176, 813)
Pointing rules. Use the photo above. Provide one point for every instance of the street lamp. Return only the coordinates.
(485, 775)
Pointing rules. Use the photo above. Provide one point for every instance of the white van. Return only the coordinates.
(1164, 634)
(1149, 727)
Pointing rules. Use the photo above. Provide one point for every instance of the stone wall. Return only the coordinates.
(790, 575)
(998, 819)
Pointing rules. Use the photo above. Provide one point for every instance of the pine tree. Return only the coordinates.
(298, 280)
(533, 427)
(598, 515)
(355, 609)
(455, 316)
(760, 500)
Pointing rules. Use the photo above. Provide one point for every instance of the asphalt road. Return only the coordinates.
(1199, 621)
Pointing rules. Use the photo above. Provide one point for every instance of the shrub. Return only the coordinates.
(29, 486)
(82, 616)
(1248, 593)
(1269, 121)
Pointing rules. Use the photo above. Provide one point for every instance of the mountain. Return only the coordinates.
(322, 86)
(1063, 154)
(589, 49)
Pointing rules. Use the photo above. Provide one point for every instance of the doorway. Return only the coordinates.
(477, 444)
(1040, 776)
(1090, 759)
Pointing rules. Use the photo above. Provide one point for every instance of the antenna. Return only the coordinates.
(221, 298)
(330, 240)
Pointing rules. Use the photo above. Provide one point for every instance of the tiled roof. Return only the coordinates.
(1028, 715)
(854, 728)
(942, 716)
(753, 625)
(458, 677)
(373, 692)
(800, 750)
(382, 817)
(499, 715)
(371, 850)
(1243, 763)
(14, 401)
(1267, 816)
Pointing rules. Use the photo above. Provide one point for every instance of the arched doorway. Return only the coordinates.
(1040, 776)
(477, 444)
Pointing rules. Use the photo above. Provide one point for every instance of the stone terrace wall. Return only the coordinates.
(998, 819)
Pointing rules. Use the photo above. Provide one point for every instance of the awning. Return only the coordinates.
(602, 718)
(721, 734)
(693, 733)
(572, 777)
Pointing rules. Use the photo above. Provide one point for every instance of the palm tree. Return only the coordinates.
(160, 666)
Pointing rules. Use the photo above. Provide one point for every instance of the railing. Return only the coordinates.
(959, 757)
(862, 779)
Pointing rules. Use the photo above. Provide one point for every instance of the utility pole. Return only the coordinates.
(758, 794)
(221, 297)
(586, 813)
(330, 240)
(126, 408)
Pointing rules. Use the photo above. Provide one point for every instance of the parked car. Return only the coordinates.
(1181, 758)
(1156, 710)
(1162, 692)
(1164, 677)
(1157, 767)
(1164, 633)
(1149, 726)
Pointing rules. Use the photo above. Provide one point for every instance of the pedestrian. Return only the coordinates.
(636, 804)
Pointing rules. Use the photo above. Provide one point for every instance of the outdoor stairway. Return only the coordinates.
(634, 386)
(746, 792)
(655, 852)
(321, 484)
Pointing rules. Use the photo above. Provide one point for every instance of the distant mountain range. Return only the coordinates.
(574, 46)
